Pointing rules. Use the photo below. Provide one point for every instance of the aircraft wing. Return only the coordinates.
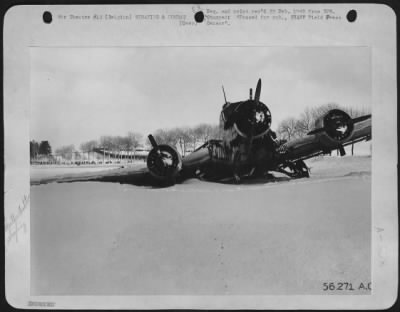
(329, 136)
(131, 175)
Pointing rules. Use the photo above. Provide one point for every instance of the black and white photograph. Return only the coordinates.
(199, 168)
(187, 172)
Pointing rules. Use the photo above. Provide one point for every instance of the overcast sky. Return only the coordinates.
(79, 94)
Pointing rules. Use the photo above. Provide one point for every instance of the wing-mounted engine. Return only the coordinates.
(163, 162)
(333, 130)
(336, 127)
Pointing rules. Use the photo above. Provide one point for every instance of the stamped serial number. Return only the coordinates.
(345, 286)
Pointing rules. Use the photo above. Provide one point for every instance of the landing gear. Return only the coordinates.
(241, 169)
(237, 168)
(297, 169)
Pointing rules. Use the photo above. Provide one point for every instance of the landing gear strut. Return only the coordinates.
(297, 169)
(237, 168)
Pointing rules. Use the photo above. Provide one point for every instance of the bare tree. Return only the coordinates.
(88, 146)
(287, 128)
(306, 122)
(109, 144)
(357, 111)
(120, 144)
(184, 136)
(181, 137)
(163, 136)
(192, 135)
(216, 132)
(134, 139)
(106, 142)
(65, 151)
(203, 132)
(322, 110)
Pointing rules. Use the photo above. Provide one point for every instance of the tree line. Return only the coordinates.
(184, 138)
(113, 144)
(36, 149)
(188, 139)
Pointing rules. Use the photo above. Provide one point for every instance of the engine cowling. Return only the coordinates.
(248, 118)
(337, 126)
(163, 162)
(254, 121)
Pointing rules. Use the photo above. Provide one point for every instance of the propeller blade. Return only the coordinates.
(223, 90)
(342, 151)
(361, 118)
(152, 141)
(258, 92)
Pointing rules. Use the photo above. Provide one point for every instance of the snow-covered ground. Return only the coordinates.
(282, 237)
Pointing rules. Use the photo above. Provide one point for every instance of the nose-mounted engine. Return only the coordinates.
(250, 118)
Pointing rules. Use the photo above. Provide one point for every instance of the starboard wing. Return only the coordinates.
(336, 131)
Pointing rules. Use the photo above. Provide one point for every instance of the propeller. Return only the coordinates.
(223, 90)
(249, 138)
(256, 102)
(153, 141)
(163, 161)
(254, 112)
(361, 118)
(258, 92)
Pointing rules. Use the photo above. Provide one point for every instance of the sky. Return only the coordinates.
(80, 94)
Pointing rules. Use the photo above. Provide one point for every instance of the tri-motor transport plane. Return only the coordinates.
(248, 149)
